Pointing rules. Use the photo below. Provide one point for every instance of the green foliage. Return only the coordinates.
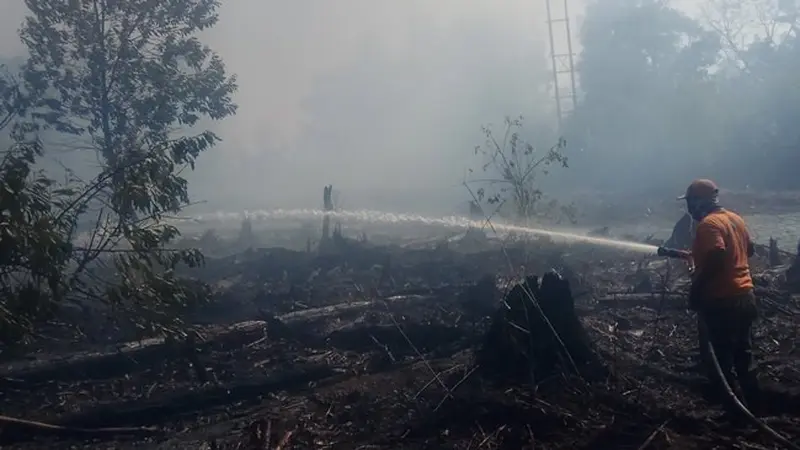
(130, 79)
(11, 99)
(36, 223)
(680, 97)
(151, 296)
(34, 236)
(764, 96)
(644, 71)
(126, 75)
(42, 270)
(510, 172)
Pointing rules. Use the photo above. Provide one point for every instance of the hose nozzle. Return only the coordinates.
(673, 253)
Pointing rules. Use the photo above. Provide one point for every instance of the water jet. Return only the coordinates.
(370, 216)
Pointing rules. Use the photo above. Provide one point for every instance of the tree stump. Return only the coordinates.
(775, 259)
(247, 238)
(480, 299)
(793, 274)
(327, 204)
(520, 341)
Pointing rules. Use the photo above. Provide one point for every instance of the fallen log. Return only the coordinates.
(131, 356)
(536, 332)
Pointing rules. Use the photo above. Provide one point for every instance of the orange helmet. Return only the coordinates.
(701, 189)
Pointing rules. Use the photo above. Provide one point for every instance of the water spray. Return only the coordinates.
(398, 218)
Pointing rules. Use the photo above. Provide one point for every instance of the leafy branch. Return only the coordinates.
(511, 169)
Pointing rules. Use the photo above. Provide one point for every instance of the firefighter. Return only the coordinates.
(722, 290)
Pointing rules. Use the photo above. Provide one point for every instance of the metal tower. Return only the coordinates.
(566, 94)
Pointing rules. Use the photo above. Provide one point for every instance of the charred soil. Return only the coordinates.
(408, 349)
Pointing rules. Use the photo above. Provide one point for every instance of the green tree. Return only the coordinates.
(34, 245)
(644, 72)
(759, 91)
(131, 80)
(713, 96)
(127, 75)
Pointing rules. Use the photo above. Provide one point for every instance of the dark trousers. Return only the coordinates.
(728, 326)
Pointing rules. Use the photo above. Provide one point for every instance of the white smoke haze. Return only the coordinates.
(372, 97)
(382, 99)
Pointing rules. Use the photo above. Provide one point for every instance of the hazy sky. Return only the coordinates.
(369, 95)
(373, 96)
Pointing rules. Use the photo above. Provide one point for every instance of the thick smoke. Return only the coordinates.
(385, 100)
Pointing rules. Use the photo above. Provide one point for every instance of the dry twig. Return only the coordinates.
(653, 435)
(457, 385)
(14, 424)
(419, 354)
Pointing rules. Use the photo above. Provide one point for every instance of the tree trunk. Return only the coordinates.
(793, 274)
(327, 206)
(526, 341)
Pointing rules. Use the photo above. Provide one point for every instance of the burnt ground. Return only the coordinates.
(374, 348)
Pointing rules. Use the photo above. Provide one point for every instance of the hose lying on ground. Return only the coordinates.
(739, 405)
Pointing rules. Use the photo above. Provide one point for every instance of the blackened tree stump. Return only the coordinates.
(327, 205)
(793, 274)
(480, 299)
(521, 342)
(774, 254)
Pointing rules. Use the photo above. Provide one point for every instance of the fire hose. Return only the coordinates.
(755, 421)
(758, 423)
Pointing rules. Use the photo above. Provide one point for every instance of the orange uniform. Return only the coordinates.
(723, 295)
(725, 230)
